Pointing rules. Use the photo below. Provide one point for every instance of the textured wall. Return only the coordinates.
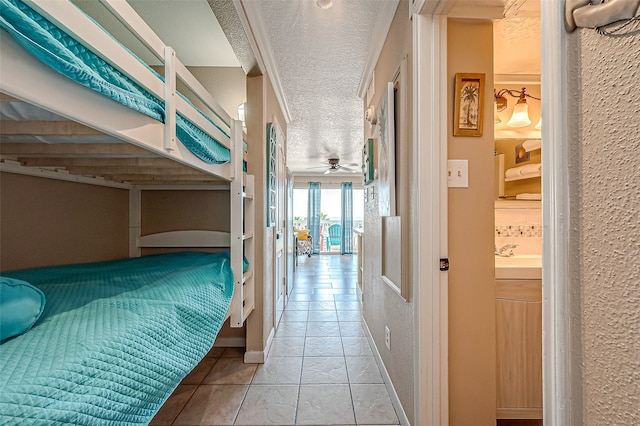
(605, 197)
(382, 305)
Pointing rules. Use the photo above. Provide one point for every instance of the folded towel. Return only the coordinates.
(530, 169)
(529, 196)
(514, 172)
(532, 144)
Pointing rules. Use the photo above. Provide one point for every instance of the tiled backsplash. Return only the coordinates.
(519, 222)
(518, 231)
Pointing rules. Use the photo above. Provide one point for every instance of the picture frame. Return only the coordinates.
(469, 104)
(367, 162)
(386, 154)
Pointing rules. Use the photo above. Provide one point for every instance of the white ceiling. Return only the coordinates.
(319, 56)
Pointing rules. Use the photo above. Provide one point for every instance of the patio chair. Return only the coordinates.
(333, 236)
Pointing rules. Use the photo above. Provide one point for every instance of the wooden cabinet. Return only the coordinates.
(519, 349)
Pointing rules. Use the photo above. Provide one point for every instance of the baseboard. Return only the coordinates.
(230, 342)
(259, 357)
(395, 400)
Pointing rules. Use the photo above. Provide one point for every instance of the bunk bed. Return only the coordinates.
(112, 340)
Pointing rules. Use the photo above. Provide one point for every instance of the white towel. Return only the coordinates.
(531, 169)
(532, 144)
(514, 172)
(529, 196)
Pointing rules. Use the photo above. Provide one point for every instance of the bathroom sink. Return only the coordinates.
(519, 267)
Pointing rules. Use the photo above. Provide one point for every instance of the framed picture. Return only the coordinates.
(469, 103)
(367, 162)
(386, 154)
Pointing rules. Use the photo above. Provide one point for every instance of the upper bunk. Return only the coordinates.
(124, 126)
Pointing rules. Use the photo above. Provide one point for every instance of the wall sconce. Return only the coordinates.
(520, 116)
(242, 114)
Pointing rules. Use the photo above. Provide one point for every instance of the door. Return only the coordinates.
(289, 235)
(280, 224)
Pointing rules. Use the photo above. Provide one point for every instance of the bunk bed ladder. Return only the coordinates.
(242, 303)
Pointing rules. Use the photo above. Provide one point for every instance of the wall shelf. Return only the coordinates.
(527, 176)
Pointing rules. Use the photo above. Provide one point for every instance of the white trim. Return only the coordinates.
(382, 25)
(259, 357)
(10, 166)
(558, 401)
(393, 395)
(187, 238)
(135, 221)
(256, 27)
(526, 79)
(431, 402)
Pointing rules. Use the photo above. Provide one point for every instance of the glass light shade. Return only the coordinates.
(496, 117)
(520, 116)
(539, 125)
(241, 114)
(324, 4)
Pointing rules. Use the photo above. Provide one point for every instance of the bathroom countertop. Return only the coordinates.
(527, 267)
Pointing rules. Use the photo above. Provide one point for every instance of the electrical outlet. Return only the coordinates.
(458, 173)
(387, 337)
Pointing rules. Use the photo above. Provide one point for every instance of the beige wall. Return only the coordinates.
(382, 306)
(47, 222)
(604, 148)
(262, 106)
(472, 359)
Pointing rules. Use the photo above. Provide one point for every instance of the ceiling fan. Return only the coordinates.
(335, 166)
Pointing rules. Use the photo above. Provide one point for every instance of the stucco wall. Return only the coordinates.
(604, 146)
(382, 306)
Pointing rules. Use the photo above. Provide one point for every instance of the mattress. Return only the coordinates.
(115, 338)
(72, 59)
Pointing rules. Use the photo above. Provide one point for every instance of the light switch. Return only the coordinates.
(458, 173)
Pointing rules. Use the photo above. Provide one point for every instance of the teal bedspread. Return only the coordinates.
(115, 338)
(70, 58)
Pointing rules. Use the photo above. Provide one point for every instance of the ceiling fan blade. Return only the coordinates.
(350, 170)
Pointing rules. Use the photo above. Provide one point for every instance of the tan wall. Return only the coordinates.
(227, 86)
(262, 106)
(47, 222)
(382, 306)
(472, 359)
(604, 148)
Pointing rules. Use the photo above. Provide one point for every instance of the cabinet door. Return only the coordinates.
(519, 349)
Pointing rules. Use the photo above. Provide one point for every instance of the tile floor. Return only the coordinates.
(320, 369)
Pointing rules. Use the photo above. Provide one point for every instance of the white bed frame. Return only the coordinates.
(139, 153)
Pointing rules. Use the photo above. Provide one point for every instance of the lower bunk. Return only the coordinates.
(113, 339)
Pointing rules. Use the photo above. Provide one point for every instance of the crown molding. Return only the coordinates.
(383, 23)
(251, 18)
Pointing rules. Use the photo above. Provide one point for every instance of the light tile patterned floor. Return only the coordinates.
(320, 369)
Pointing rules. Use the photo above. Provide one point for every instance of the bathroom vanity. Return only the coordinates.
(518, 289)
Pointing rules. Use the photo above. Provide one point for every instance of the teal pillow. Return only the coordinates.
(21, 304)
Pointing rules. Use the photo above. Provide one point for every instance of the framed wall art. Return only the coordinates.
(386, 154)
(469, 102)
(367, 162)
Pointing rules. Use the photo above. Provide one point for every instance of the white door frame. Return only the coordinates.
(431, 311)
(431, 320)
(559, 401)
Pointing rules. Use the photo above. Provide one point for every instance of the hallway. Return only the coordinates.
(320, 369)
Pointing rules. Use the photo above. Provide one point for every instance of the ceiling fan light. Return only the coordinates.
(520, 116)
(324, 4)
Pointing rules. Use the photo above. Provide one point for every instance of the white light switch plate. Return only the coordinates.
(458, 173)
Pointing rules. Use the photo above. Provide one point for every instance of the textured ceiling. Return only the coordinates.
(320, 55)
